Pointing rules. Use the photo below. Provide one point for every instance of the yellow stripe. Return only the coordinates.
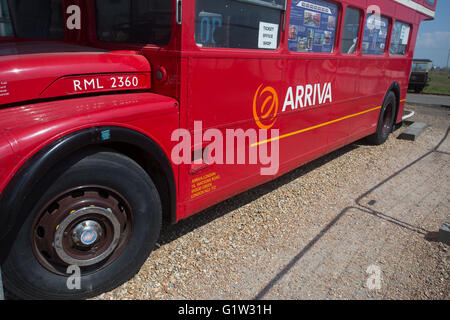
(314, 127)
(403, 100)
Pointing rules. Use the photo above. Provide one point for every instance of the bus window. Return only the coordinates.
(400, 38)
(134, 21)
(5, 20)
(33, 19)
(350, 32)
(312, 26)
(375, 35)
(243, 24)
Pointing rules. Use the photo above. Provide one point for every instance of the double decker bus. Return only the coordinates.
(109, 110)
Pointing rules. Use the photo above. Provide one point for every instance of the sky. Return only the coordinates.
(434, 36)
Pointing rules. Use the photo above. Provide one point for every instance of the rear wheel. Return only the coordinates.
(97, 217)
(386, 120)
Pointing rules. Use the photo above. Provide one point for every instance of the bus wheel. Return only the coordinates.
(385, 122)
(93, 223)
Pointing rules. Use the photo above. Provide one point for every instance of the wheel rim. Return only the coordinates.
(88, 227)
(388, 119)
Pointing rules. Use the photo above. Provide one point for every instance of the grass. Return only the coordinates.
(440, 82)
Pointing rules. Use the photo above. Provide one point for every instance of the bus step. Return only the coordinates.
(413, 131)
(444, 233)
(408, 114)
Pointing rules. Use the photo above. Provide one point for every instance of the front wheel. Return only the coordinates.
(385, 121)
(93, 224)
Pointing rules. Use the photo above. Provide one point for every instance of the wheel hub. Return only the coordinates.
(87, 233)
(87, 227)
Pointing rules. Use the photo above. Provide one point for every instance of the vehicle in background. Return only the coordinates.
(419, 75)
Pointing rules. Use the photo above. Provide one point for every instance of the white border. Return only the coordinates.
(418, 7)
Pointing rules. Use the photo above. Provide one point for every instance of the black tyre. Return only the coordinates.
(98, 216)
(386, 120)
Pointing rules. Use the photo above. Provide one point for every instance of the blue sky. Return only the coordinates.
(434, 36)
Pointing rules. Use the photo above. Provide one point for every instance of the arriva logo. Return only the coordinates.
(310, 95)
(266, 102)
(265, 107)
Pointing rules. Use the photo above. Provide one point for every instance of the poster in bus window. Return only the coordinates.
(312, 27)
(375, 35)
(400, 37)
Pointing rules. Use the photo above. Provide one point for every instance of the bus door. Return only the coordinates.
(233, 73)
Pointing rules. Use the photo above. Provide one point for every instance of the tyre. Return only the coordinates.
(385, 121)
(93, 223)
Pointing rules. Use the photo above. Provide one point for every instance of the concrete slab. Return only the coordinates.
(413, 131)
(444, 233)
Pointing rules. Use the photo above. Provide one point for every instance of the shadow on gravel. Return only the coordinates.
(170, 233)
(395, 221)
(430, 236)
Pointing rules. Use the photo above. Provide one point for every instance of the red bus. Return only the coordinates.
(96, 97)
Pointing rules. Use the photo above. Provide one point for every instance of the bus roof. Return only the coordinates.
(426, 7)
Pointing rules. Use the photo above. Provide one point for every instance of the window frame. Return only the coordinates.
(407, 48)
(360, 31)
(264, 4)
(388, 36)
(282, 26)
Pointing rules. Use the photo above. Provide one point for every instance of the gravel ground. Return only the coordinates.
(320, 231)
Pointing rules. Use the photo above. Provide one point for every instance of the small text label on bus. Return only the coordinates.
(108, 83)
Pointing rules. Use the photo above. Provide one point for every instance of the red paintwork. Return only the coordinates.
(31, 127)
(215, 86)
(33, 70)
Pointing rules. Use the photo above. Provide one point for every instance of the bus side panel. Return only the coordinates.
(398, 71)
(222, 88)
(303, 72)
(372, 87)
(404, 15)
(221, 97)
(344, 87)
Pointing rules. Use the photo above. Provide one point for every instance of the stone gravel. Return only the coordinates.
(319, 231)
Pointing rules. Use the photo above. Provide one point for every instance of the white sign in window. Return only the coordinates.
(268, 35)
(404, 36)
